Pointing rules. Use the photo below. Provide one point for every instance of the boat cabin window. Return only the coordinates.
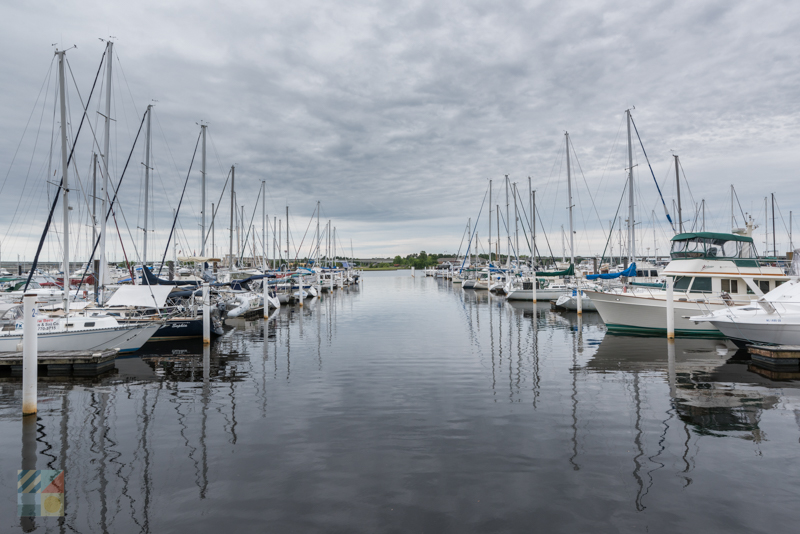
(730, 286)
(653, 273)
(682, 283)
(639, 272)
(712, 247)
(701, 285)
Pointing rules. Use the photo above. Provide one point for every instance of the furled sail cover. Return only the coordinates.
(630, 271)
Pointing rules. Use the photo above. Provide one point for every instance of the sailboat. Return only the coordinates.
(60, 330)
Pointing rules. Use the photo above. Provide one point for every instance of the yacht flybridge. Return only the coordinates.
(711, 271)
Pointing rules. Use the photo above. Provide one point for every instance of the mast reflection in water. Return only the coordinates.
(412, 405)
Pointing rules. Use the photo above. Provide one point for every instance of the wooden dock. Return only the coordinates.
(775, 356)
(63, 363)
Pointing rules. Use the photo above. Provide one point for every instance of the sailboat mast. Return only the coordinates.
(774, 247)
(469, 245)
(533, 230)
(175, 242)
(202, 193)
(263, 225)
(287, 236)
(733, 217)
(703, 204)
(508, 227)
(146, 183)
(65, 176)
(678, 186)
(318, 243)
(104, 189)
(94, 201)
(490, 221)
(233, 214)
(569, 193)
(497, 244)
(631, 219)
(530, 221)
(516, 225)
(213, 246)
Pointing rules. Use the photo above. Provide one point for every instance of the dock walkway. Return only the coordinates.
(64, 362)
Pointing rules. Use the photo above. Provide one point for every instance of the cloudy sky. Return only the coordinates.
(396, 115)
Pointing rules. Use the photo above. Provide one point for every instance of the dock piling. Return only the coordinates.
(265, 287)
(206, 315)
(30, 350)
(670, 309)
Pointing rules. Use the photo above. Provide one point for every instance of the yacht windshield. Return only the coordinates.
(712, 247)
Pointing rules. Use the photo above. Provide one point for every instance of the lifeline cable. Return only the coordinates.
(666, 211)
(178, 210)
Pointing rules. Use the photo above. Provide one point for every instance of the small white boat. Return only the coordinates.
(773, 318)
(98, 332)
(551, 292)
(570, 302)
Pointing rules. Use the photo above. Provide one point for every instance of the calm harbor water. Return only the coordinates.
(409, 405)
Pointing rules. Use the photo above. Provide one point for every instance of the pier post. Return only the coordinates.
(670, 308)
(265, 286)
(206, 315)
(412, 271)
(580, 297)
(30, 349)
(534, 285)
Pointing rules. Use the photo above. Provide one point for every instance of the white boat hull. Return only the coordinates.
(761, 332)
(125, 338)
(646, 315)
(541, 294)
(570, 302)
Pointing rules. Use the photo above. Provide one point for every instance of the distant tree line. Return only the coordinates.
(419, 261)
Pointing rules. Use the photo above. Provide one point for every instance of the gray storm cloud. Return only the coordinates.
(395, 116)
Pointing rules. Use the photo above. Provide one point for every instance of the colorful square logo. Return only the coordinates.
(40, 493)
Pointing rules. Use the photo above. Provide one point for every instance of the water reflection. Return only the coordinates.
(410, 405)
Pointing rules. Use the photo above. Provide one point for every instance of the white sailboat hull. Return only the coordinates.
(127, 338)
(541, 294)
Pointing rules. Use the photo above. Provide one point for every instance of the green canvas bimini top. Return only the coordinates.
(712, 235)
